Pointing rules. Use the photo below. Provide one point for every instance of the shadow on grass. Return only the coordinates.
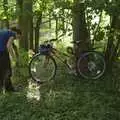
(65, 98)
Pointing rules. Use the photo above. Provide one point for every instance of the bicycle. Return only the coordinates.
(43, 66)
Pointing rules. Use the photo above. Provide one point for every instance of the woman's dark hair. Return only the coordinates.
(17, 30)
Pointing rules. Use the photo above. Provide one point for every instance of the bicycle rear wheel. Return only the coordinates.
(42, 68)
(91, 65)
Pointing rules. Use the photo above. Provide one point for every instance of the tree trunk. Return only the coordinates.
(31, 34)
(112, 48)
(25, 22)
(19, 11)
(37, 29)
(56, 28)
(30, 26)
(50, 20)
(63, 21)
(80, 32)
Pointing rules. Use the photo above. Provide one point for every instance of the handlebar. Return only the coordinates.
(73, 42)
(51, 40)
(54, 39)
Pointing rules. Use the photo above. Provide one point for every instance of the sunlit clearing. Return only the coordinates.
(33, 91)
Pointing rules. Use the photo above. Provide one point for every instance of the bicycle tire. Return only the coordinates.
(39, 72)
(91, 65)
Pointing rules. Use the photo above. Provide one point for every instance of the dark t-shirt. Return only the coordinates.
(4, 37)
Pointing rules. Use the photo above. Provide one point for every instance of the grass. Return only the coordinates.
(66, 98)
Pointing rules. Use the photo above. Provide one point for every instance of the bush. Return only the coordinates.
(20, 70)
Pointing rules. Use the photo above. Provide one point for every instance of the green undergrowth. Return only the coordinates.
(67, 97)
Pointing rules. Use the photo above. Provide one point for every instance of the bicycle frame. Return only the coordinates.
(56, 53)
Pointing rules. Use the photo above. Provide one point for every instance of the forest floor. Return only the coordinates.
(66, 98)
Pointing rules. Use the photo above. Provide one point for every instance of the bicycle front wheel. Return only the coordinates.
(42, 68)
(91, 65)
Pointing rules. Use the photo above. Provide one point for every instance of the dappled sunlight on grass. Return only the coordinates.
(66, 98)
(33, 91)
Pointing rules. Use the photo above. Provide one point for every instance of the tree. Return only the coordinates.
(26, 22)
(80, 32)
(114, 35)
